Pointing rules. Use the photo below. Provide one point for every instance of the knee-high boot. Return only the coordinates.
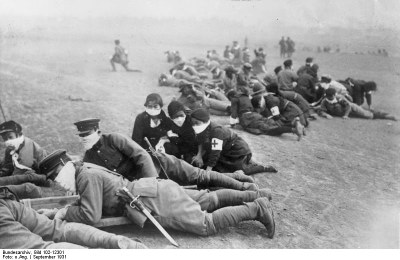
(216, 179)
(260, 210)
(239, 175)
(26, 191)
(226, 197)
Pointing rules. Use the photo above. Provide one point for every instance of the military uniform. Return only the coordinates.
(253, 122)
(283, 110)
(23, 227)
(171, 205)
(286, 78)
(120, 154)
(29, 154)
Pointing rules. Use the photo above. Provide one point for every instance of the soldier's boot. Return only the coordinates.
(253, 168)
(259, 210)
(89, 236)
(226, 197)
(216, 179)
(240, 176)
(383, 115)
(26, 191)
(31, 177)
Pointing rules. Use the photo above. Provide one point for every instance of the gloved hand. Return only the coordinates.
(50, 213)
(126, 243)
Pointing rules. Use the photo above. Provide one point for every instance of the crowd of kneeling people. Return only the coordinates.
(168, 154)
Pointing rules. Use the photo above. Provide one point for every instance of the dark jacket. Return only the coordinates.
(120, 154)
(143, 129)
(222, 142)
(240, 104)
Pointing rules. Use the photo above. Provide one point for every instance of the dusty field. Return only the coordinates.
(337, 188)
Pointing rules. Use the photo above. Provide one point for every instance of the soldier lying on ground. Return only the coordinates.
(360, 89)
(20, 165)
(222, 149)
(199, 212)
(242, 112)
(122, 155)
(277, 107)
(194, 97)
(23, 227)
(337, 105)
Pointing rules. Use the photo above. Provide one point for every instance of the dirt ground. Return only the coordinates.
(337, 188)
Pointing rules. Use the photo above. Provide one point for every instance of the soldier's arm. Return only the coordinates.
(89, 209)
(368, 97)
(217, 143)
(138, 133)
(324, 110)
(234, 108)
(134, 151)
(38, 154)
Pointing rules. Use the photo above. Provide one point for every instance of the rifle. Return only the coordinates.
(154, 153)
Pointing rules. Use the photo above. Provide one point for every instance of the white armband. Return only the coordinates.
(275, 111)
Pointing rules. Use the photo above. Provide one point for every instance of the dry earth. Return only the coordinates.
(337, 188)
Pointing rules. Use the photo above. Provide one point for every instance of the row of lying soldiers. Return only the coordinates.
(284, 98)
(111, 162)
(191, 149)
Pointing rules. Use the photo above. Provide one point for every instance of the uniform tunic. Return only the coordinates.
(224, 148)
(120, 154)
(286, 78)
(29, 155)
(166, 200)
(283, 110)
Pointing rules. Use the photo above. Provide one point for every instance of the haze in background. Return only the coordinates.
(350, 24)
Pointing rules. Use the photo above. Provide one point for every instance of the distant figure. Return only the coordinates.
(246, 55)
(227, 52)
(290, 47)
(282, 45)
(120, 56)
(237, 54)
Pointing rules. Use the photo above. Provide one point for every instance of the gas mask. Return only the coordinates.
(179, 120)
(14, 144)
(90, 140)
(200, 128)
(153, 111)
(66, 178)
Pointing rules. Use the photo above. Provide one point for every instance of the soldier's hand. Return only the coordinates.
(198, 161)
(328, 116)
(50, 213)
(345, 117)
(61, 213)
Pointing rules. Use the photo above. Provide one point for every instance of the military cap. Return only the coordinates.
(10, 126)
(258, 88)
(247, 66)
(50, 162)
(86, 125)
(288, 63)
(213, 68)
(326, 78)
(309, 60)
